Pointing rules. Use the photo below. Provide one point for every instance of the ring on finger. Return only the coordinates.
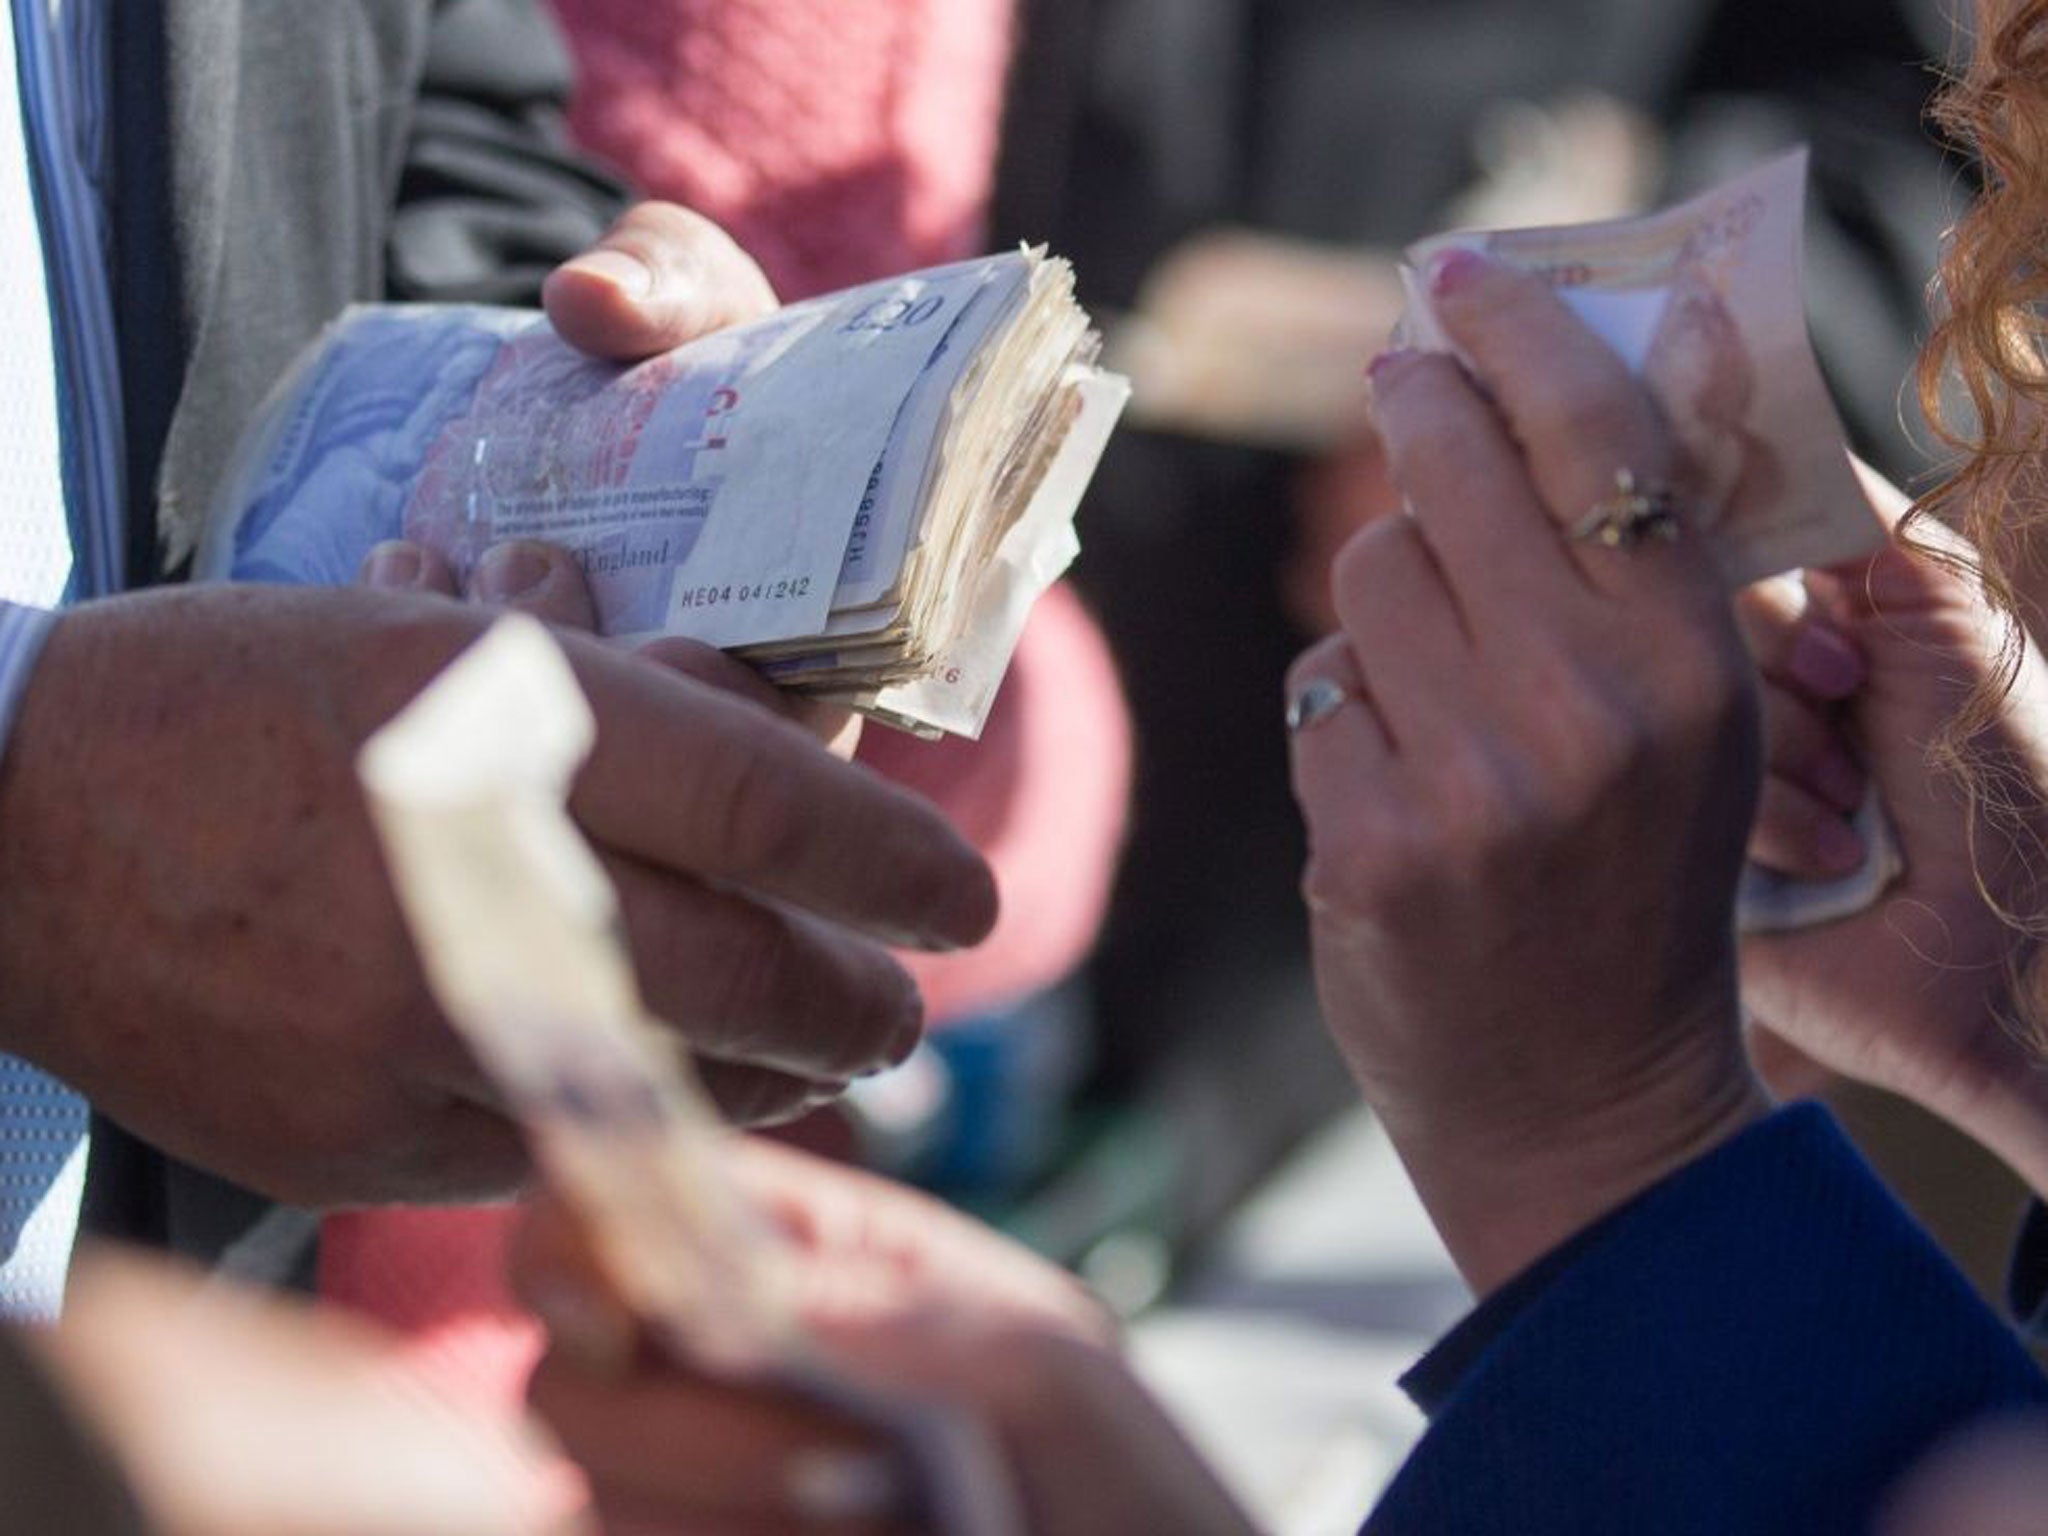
(1633, 515)
(1315, 703)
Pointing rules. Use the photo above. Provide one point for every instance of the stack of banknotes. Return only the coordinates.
(863, 493)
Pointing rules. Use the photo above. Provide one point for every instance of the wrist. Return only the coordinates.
(1997, 1091)
(1505, 1190)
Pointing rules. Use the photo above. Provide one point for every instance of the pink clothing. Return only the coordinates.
(1044, 795)
(838, 140)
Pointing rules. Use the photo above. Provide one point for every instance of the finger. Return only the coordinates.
(529, 576)
(665, 1441)
(1793, 645)
(762, 985)
(397, 565)
(688, 778)
(757, 1097)
(837, 727)
(1451, 454)
(1803, 746)
(1799, 835)
(1337, 757)
(1580, 417)
(1407, 638)
(660, 277)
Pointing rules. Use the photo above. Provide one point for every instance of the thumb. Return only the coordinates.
(660, 277)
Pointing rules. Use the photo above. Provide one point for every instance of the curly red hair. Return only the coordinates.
(1983, 386)
(1983, 377)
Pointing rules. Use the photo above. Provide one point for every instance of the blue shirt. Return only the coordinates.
(61, 468)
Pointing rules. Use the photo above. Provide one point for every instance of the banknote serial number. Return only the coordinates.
(715, 595)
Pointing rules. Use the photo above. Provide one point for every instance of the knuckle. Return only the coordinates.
(1768, 614)
(755, 808)
(1480, 791)
(1422, 435)
(694, 250)
(773, 980)
(1595, 731)
(1367, 865)
(744, 988)
(664, 231)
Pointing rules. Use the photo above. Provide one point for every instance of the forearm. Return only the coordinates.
(1503, 1198)
(23, 632)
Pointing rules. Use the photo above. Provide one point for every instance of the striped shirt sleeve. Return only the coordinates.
(23, 630)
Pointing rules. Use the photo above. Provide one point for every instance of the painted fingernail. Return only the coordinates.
(1387, 361)
(1838, 780)
(508, 573)
(1838, 848)
(622, 269)
(843, 1485)
(393, 563)
(1455, 271)
(1825, 663)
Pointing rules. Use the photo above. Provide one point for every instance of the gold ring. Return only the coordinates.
(1633, 514)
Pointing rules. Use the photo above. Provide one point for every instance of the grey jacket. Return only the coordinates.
(275, 161)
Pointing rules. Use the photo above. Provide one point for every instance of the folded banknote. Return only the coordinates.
(518, 929)
(862, 493)
(1704, 303)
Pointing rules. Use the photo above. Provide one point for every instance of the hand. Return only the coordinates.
(236, 1414)
(1916, 995)
(661, 276)
(904, 1297)
(545, 580)
(1527, 819)
(1990, 1482)
(196, 929)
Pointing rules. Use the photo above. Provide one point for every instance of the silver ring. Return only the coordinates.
(1634, 514)
(1314, 704)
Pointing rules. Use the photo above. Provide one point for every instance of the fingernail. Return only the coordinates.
(393, 563)
(1454, 271)
(843, 1485)
(1838, 780)
(1390, 359)
(1825, 663)
(1838, 848)
(623, 270)
(508, 573)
